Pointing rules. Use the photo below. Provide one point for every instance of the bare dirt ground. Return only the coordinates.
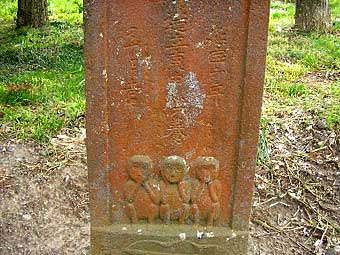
(44, 203)
(296, 206)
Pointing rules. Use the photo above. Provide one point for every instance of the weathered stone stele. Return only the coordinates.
(174, 91)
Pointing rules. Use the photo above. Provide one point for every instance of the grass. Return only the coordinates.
(293, 57)
(42, 71)
(263, 154)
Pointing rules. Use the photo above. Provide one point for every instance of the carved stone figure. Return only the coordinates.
(175, 190)
(141, 190)
(206, 191)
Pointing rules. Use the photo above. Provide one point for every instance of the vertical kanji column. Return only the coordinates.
(174, 94)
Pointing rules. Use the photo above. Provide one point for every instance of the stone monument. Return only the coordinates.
(174, 93)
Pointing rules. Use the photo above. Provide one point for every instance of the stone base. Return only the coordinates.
(152, 239)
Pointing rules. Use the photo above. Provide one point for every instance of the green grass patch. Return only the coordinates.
(292, 56)
(42, 85)
(8, 10)
(315, 52)
(325, 103)
(16, 94)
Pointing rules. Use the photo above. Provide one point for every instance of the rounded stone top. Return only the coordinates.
(171, 161)
(140, 160)
(206, 161)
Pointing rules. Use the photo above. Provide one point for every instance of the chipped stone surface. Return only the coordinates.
(182, 236)
(189, 97)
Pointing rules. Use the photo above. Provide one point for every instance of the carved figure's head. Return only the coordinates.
(206, 169)
(139, 168)
(174, 169)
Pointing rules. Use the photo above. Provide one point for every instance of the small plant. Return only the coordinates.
(294, 90)
(263, 151)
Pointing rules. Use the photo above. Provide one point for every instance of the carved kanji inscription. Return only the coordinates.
(174, 93)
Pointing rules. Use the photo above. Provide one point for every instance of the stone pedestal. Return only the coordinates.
(174, 92)
(167, 239)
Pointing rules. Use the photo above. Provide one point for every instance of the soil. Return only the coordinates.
(296, 207)
(44, 204)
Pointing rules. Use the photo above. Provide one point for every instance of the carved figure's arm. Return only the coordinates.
(195, 192)
(130, 191)
(215, 191)
(164, 195)
(184, 191)
(152, 191)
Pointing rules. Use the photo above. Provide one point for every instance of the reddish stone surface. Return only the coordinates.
(174, 93)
